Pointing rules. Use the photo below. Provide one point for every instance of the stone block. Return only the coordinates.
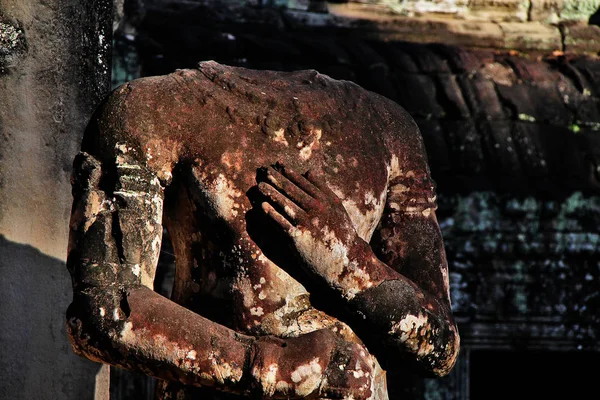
(531, 36)
(581, 38)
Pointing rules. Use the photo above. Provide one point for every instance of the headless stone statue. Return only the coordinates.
(271, 185)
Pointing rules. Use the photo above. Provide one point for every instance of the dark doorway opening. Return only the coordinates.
(534, 375)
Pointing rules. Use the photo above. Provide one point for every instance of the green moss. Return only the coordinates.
(579, 9)
(574, 128)
(526, 117)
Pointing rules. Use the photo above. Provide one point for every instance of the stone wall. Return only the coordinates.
(54, 68)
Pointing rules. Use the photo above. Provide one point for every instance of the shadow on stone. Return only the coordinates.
(36, 359)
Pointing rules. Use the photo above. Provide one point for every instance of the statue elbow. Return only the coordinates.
(92, 322)
(447, 353)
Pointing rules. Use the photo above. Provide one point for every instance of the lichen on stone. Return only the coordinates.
(12, 44)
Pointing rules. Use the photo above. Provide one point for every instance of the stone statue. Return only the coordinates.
(271, 185)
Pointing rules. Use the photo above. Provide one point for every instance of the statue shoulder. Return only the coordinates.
(137, 119)
(403, 138)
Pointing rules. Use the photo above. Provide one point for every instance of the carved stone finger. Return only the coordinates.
(284, 205)
(297, 179)
(277, 217)
(318, 180)
(297, 194)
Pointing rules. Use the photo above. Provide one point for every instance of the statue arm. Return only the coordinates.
(117, 318)
(396, 287)
(412, 311)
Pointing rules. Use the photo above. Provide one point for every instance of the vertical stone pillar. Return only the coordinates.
(54, 69)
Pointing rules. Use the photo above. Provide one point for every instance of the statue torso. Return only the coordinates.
(224, 124)
(207, 132)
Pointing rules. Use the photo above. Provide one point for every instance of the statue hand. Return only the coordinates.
(316, 365)
(314, 220)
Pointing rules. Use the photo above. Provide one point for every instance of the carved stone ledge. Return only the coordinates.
(530, 334)
(511, 27)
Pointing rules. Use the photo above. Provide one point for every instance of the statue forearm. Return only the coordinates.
(417, 328)
(140, 330)
(162, 339)
(401, 318)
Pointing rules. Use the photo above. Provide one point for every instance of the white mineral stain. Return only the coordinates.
(393, 168)
(268, 378)
(157, 211)
(334, 254)
(280, 138)
(130, 193)
(222, 370)
(365, 222)
(370, 199)
(305, 153)
(127, 335)
(410, 330)
(378, 383)
(282, 387)
(289, 211)
(307, 149)
(244, 286)
(257, 311)
(136, 270)
(307, 377)
(358, 373)
(446, 280)
(222, 195)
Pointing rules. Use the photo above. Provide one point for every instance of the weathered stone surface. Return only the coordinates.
(531, 36)
(12, 44)
(214, 144)
(581, 38)
(518, 258)
(499, 10)
(547, 11)
(54, 68)
(451, 84)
